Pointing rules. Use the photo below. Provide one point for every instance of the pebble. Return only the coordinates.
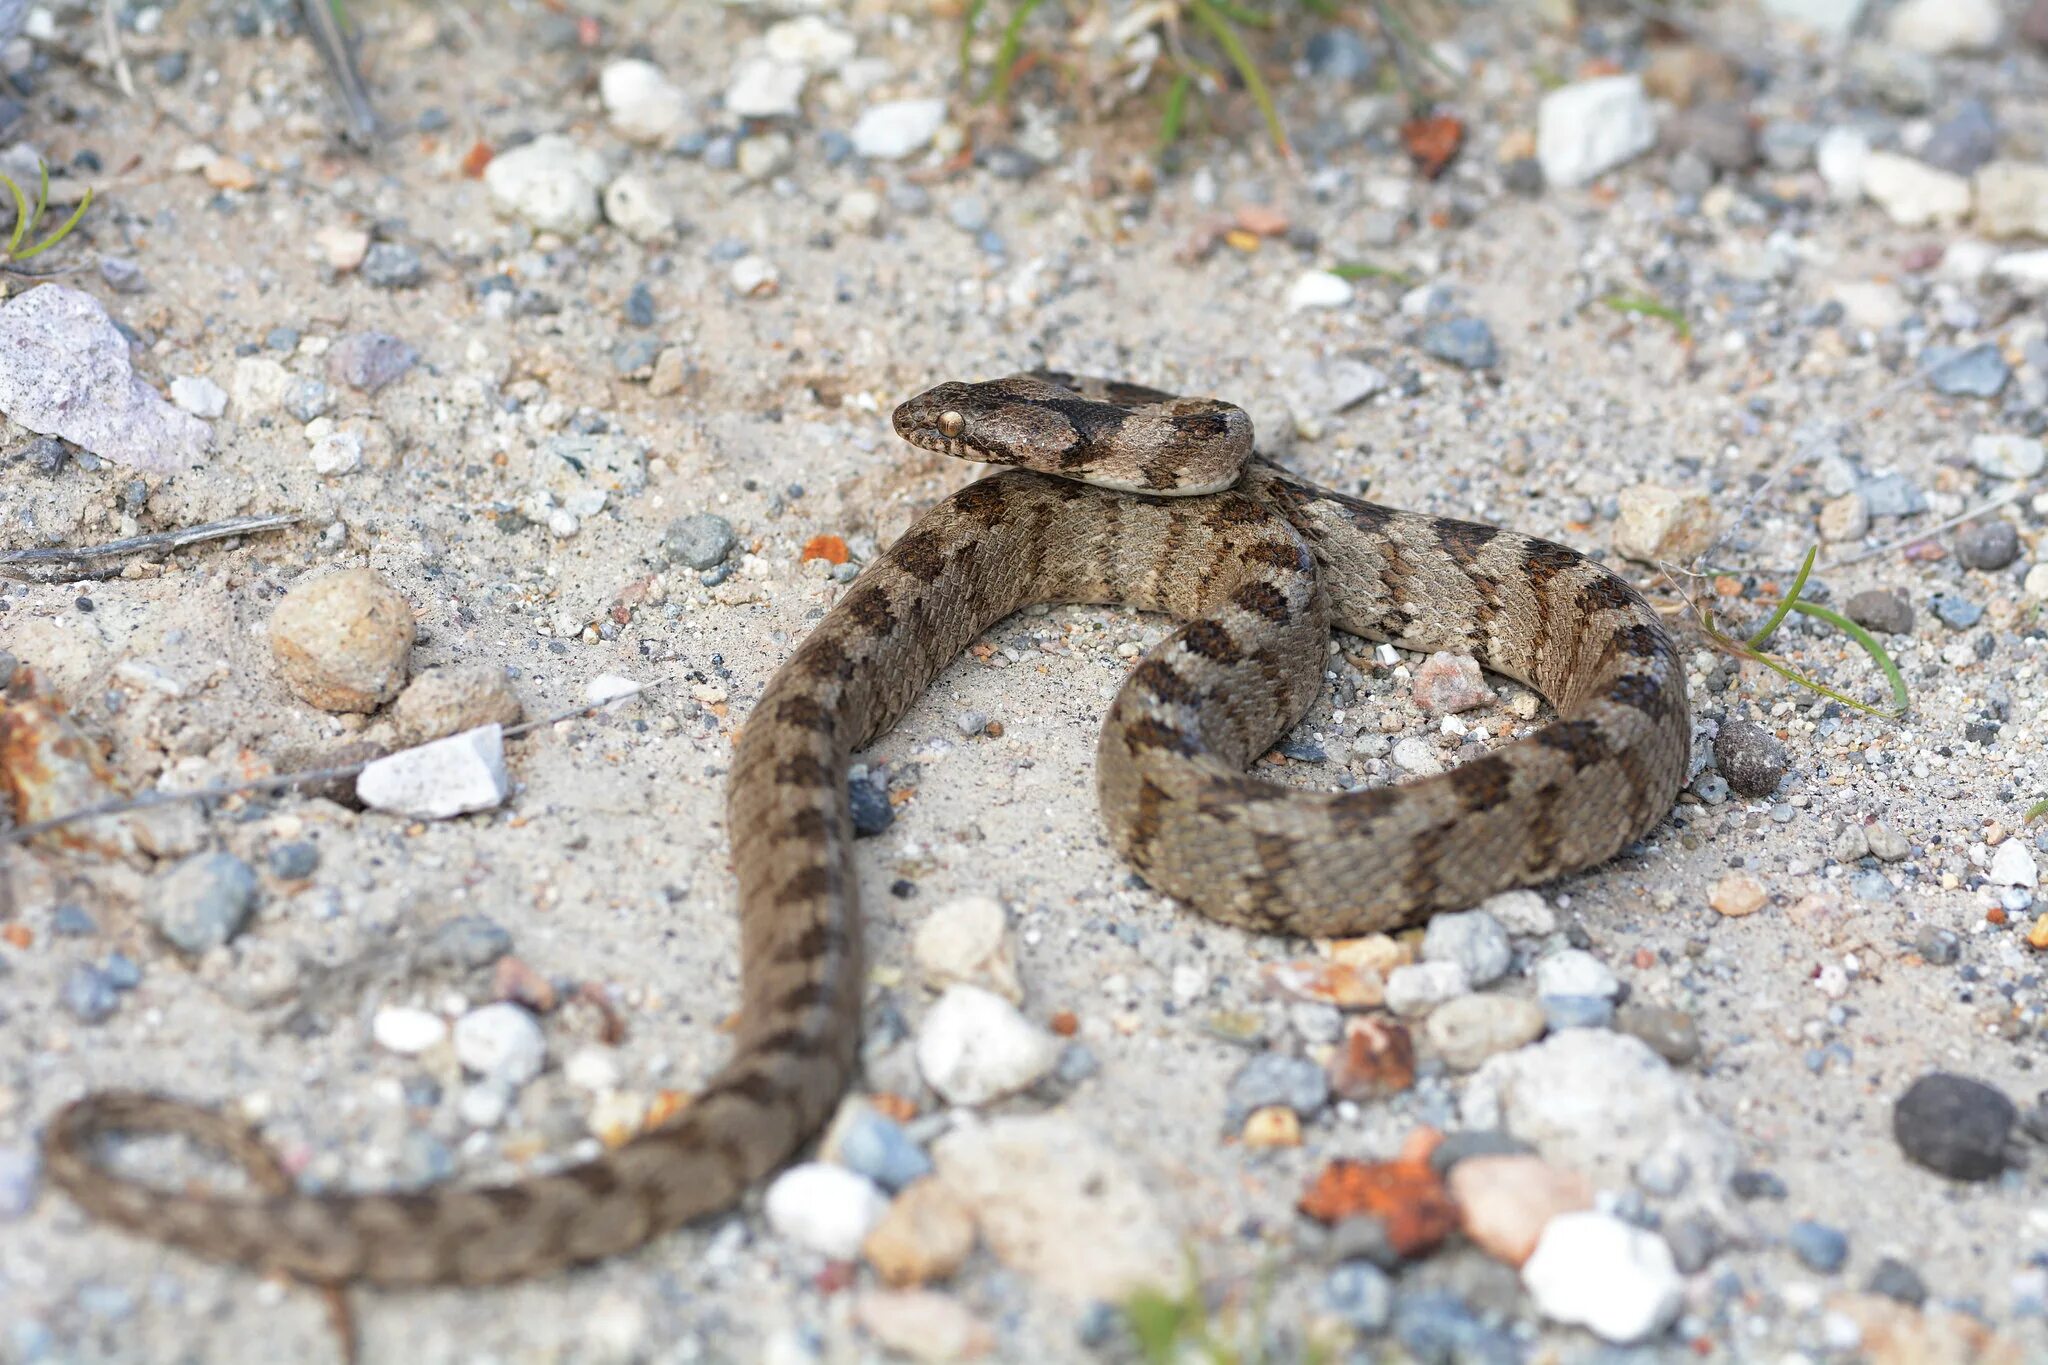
(449, 700)
(922, 1325)
(2012, 199)
(549, 182)
(1361, 1294)
(1844, 519)
(1672, 1034)
(1573, 971)
(1884, 610)
(2013, 865)
(393, 265)
(1894, 1279)
(1957, 613)
(764, 156)
(863, 1140)
(501, 1042)
(641, 103)
(701, 540)
(88, 995)
(892, 131)
(1656, 524)
(1596, 1100)
(1839, 156)
(1474, 940)
(1750, 757)
(444, 778)
(1962, 143)
(1595, 1271)
(2007, 455)
(370, 361)
(926, 1234)
(1450, 682)
(637, 206)
(1056, 1203)
(1913, 193)
(1419, 987)
(199, 396)
(1468, 1030)
(1973, 372)
(766, 88)
(1989, 545)
(70, 920)
(872, 812)
(1561, 1012)
(1954, 1126)
(1522, 913)
(967, 940)
(974, 1047)
(1505, 1201)
(1586, 129)
(406, 1030)
(1818, 1246)
(204, 901)
(1416, 755)
(824, 1208)
(1466, 342)
(1314, 289)
(1738, 894)
(1276, 1079)
(1376, 1059)
(1891, 495)
(1940, 27)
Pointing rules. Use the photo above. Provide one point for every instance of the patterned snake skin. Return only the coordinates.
(1259, 572)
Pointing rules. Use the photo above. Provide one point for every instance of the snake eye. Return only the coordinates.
(951, 424)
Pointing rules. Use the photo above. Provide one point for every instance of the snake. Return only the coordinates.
(1113, 493)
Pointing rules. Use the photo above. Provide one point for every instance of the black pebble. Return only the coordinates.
(872, 812)
(1750, 758)
(1954, 1126)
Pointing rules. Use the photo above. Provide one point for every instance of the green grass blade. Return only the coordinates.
(21, 218)
(1233, 47)
(1007, 54)
(1901, 699)
(1238, 14)
(42, 193)
(1176, 116)
(1644, 306)
(1366, 270)
(61, 233)
(1770, 627)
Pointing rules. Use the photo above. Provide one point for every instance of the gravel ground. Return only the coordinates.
(615, 408)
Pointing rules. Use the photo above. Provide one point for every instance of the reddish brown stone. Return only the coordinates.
(1376, 1059)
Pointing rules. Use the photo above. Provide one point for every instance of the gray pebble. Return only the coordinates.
(640, 305)
(880, 1150)
(1663, 1173)
(45, 454)
(1694, 1240)
(700, 541)
(1005, 162)
(635, 356)
(971, 722)
(1894, 1279)
(872, 812)
(909, 199)
(392, 265)
(1471, 1142)
(1474, 940)
(1883, 610)
(71, 921)
(1886, 843)
(1276, 1078)
(1363, 1237)
(1978, 372)
(87, 995)
(121, 971)
(1788, 145)
(1964, 141)
(204, 901)
(1750, 757)
(835, 147)
(1990, 544)
(1561, 1012)
(1464, 341)
(122, 275)
(1077, 1063)
(1361, 1294)
(1342, 56)
(722, 152)
(1872, 886)
(1892, 495)
(284, 339)
(1957, 613)
(968, 212)
(470, 941)
(293, 861)
(1818, 1246)
(1954, 1125)
(308, 399)
(369, 361)
(1671, 1033)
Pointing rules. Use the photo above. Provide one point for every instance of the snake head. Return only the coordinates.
(975, 421)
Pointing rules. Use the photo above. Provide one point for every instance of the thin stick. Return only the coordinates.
(1957, 520)
(110, 33)
(55, 559)
(277, 781)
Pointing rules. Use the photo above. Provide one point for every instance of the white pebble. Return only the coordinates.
(1573, 971)
(763, 87)
(609, 687)
(199, 396)
(550, 182)
(502, 1042)
(1417, 756)
(892, 131)
(1913, 193)
(1587, 129)
(485, 1104)
(1938, 27)
(636, 206)
(754, 276)
(336, 452)
(824, 1208)
(1473, 939)
(808, 40)
(2007, 455)
(967, 940)
(1593, 1270)
(640, 102)
(451, 776)
(1318, 289)
(974, 1046)
(406, 1030)
(1522, 913)
(592, 1069)
(1419, 987)
(1839, 157)
(2013, 865)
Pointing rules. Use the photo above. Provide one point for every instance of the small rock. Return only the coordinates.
(701, 541)
(122, 275)
(2013, 865)
(1375, 1059)
(766, 88)
(441, 779)
(447, 701)
(1718, 132)
(1595, 1271)
(1839, 156)
(824, 1208)
(2005, 455)
(1573, 971)
(863, 1140)
(87, 994)
(872, 812)
(1954, 1126)
(926, 1234)
(370, 361)
(1318, 289)
(2012, 199)
(922, 1325)
(1664, 525)
(204, 901)
(1522, 913)
(1882, 609)
(1361, 1294)
(1505, 1202)
(550, 182)
(1750, 757)
(1913, 193)
(1818, 1246)
(1886, 843)
(1417, 756)
(501, 1042)
(1561, 1012)
(1339, 55)
(639, 207)
(393, 265)
(1671, 1033)
(1276, 1079)
(199, 396)
(641, 103)
(1466, 342)
(1990, 545)
(1975, 372)
(1892, 495)
(342, 246)
(1419, 987)
(1844, 519)
(892, 131)
(1957, 613)
(1450, 682)
(974, 1047)
(1939, 27)
(1468, 1030)
(406, 1030)
(1587, 129)
(1962, 144)
(967, 940)
(1894, 1279)
(1474, 940)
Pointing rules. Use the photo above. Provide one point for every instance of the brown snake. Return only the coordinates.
(1258, 572)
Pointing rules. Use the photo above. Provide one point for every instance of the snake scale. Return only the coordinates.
(1258, 565)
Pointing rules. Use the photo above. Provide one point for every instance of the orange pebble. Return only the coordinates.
(831, 549)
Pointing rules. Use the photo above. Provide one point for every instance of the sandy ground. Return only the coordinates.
(609, 865)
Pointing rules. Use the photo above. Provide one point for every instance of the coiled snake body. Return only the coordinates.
(1259, 565)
